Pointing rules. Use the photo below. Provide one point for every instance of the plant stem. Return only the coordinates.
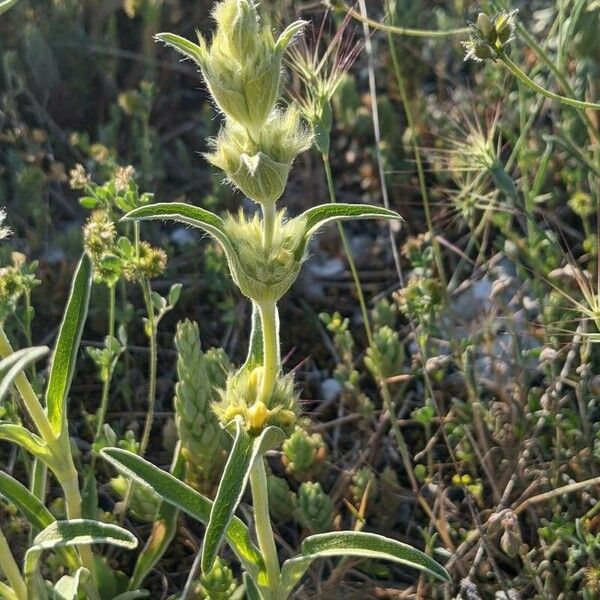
(9, 567)
(359, 291)
(106, 384)
(262, 520)
(151, 369)
(28, 395)
(522, 76)
(421, 33)
(268, 316)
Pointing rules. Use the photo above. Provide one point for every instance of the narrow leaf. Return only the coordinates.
(252, 592)
(33, 509)
(74, 532)
(354, 543)
(233, 483)
(318, 216)
(67, 345)
(255, 346)
(231, 488)
(188, 500)
(17, 434)
(7, 593)
(13, 364)
(181, 44)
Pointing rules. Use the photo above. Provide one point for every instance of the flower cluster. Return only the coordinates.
(489, 38)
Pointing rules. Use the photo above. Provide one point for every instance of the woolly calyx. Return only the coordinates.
(260, 166)
(239, 398)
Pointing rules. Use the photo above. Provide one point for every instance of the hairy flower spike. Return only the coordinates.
(242, 65)
(260, 166)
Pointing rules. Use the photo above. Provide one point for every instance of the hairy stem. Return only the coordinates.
(151, 368)
(262, 520)
(269, 213)
(9, 567)
(522, 76)
(268, 315)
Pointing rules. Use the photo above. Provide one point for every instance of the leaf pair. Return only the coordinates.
(310, 221)
(364, 545)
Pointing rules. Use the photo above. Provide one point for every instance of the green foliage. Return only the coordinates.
(315, 507)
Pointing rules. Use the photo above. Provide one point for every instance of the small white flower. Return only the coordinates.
(4, 231)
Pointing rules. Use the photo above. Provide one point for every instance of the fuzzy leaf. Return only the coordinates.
(6, 4)
(67, 586)
(318, 216)
(181, 44)
(12, 365)
(354, 543)
(252, 592)
(67, 345)
(7, 593)
(60, 534)
(188, 500)
(255, 346)
(17, 434)
(233, 484)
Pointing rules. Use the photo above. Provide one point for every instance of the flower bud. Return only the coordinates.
(260, 166)
(242, 66)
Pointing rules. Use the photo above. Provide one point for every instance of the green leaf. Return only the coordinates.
(354, 543)
(318, 216)
(188, 500)
(234, 480)
(27, 440)
(67, 586)
(189, 215)
(252, 592)
(181, 44)
(6, 4)
(67, 345)
(13, 364)
(255, 346)
(7, 593)
(60, 534)
(163, 531)
(33, 509)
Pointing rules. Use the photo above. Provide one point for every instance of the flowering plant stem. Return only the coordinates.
(269, 318)
(262, 520)
(60, 448)
(523, 77)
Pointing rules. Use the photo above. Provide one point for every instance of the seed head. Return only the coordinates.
(489, 38)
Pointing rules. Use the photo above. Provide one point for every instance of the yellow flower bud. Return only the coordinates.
(257, 417)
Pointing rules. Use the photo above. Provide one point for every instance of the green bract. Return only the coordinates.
(242, 65)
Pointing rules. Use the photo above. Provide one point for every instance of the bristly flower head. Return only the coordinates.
(321, 75)
(242, 65)
(489, 38)
(260, 167)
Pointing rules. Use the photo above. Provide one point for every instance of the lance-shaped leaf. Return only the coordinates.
(74, 532)
(34, 444)
(318, 216)
(188, 500)
(14, 364)
(67, 345)
(33, 509)
(181, 44)
(189, 215)
(255, 345)
(354, 543)
(7, 593)
(244, 452)
(252, 592)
